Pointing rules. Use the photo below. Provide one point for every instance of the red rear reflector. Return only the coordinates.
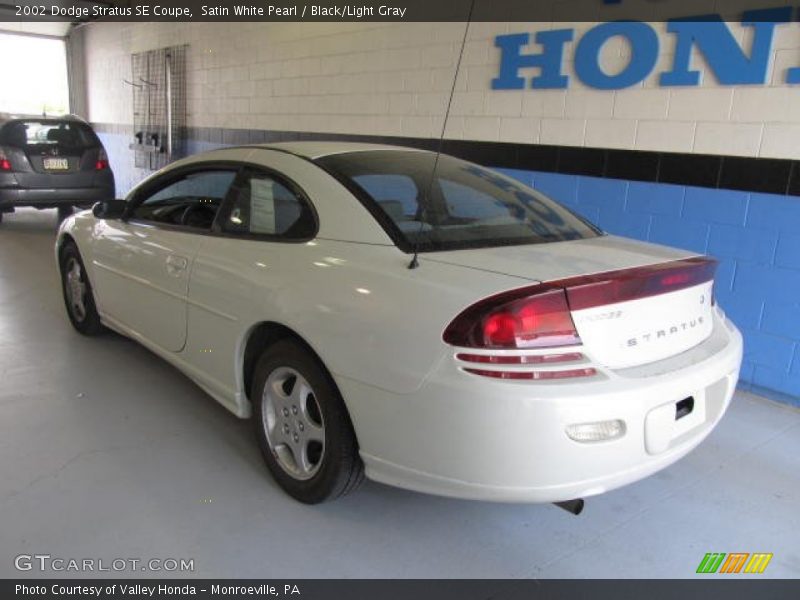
(534, 375)
(543, 359)
(5, 165)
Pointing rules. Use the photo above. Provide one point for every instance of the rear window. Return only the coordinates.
(44, 133)
(462, 206)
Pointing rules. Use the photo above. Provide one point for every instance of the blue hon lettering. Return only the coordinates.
(644, 54)
(709, 35)
(549, 61)
(724, 55)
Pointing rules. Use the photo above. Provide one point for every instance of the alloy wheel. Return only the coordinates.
(76, 289)
(293, 423)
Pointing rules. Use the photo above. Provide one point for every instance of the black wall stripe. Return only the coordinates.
(767, 175)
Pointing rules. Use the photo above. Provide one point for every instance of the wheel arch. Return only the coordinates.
(263, 335)
(63, 240)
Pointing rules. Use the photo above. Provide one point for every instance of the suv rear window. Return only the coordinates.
(46, 133)
(462, 206)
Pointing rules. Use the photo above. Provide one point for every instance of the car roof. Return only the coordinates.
(6, 117)
(318, 149)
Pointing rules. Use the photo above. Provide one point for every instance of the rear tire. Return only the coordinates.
(302, 426)
(78, 293)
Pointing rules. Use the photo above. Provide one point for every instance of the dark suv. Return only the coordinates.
(51, 162)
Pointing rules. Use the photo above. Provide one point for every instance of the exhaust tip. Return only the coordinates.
(572, 506)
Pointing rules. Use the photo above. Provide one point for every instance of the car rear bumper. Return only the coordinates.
(473, 437)
(50, 197)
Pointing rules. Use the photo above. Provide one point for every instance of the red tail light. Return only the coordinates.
(5, 164)
(102, 161)
(535, 320)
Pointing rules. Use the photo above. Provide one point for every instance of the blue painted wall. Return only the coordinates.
(756, 238)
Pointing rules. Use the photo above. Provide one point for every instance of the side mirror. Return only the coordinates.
(109, 209)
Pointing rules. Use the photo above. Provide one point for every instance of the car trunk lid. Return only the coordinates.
(637, 316)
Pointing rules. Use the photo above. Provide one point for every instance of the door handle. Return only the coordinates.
(176, 265)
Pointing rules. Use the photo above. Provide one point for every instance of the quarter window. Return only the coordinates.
(264, 206)
(192, 201)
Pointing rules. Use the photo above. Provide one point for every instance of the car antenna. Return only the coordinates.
(415, 259)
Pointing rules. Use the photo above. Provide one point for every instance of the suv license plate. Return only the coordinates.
(56, 164)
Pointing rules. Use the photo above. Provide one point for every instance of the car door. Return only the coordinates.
(243, 265)
(143, 262)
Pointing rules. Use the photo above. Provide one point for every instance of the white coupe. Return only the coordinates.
(421, 320)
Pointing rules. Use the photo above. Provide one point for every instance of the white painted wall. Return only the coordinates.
(394, 79)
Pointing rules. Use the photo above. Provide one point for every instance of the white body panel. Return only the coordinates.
(141, 278)
(421, 421)
(470, 437)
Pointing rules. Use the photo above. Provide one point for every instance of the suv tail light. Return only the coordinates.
(102, 161)
(5, 164)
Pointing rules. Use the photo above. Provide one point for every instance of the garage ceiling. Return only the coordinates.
(48, 27)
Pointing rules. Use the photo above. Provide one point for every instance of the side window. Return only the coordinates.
(191, 202)
(264, 206)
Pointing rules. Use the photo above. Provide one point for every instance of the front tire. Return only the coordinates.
(302, 426)
(78, 294)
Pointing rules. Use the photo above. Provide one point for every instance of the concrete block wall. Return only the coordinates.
(395, 79)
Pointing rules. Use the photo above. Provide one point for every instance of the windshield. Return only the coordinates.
(465, 206)
(63, 134)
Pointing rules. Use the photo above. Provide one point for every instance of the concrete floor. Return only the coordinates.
(108, 452)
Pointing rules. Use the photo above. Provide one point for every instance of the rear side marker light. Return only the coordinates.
(5, 164)
(533, 375)
(543, 359)
(601, 431)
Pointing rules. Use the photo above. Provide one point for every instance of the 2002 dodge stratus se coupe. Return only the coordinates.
(450, 331)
